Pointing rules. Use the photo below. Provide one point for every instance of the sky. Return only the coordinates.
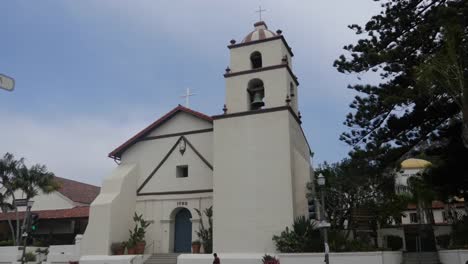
(90, 74)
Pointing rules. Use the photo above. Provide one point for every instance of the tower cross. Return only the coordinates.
(187, 97)
(259, 11)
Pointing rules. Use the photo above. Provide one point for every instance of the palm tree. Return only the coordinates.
(17, 178)
(8, 169)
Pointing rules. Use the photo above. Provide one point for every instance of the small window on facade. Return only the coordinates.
(413, 218)
(182, 171)
(444, 217)
(256, 60)
(291, 89)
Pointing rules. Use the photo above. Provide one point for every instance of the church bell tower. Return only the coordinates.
(261, 156)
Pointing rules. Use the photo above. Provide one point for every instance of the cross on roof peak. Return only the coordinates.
(259, 11)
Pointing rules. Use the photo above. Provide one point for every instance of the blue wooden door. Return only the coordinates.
(183, 232)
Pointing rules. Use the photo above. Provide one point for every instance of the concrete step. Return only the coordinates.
(421, 258)
(170, 258)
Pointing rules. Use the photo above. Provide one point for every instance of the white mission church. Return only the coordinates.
(251, 163)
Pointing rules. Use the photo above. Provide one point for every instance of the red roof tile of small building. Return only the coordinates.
(76, 212)
(78, 192)
(116, 153)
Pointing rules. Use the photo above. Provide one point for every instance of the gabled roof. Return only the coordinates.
(117, 153)
(77, 191)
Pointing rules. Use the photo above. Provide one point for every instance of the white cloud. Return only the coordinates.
(75, 147)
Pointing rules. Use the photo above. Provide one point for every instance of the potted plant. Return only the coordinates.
(131, 246)
(118, 248)
(196, 246)
(136, 243)
(268, 259)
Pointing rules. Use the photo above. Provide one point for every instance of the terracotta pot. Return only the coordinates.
(120, 251)
(196, 248)
(131, 251)
(140, 247)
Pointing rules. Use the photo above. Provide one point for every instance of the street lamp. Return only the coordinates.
(323, 218)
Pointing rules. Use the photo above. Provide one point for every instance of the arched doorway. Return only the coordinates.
(183, 231)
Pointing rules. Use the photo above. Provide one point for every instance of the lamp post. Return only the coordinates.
(323, 218)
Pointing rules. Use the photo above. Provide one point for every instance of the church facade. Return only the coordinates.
(251, 163)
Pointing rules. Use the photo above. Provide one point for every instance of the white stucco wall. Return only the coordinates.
(44, 201)
(378, 257)
(453, 256)
(253, 192)
(111, 212)
(142, 159)
(180, 123)
(161, 209)
(165, 180)
(272, 54)
(276, 82)
(301, 169)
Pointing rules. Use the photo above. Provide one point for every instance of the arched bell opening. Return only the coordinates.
(256, 94)
(256, 60)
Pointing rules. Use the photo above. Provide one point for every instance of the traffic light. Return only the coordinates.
(34, 222)
(312, 209)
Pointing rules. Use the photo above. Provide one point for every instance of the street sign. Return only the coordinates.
(323, 224)
(20, 202)
(7, 83)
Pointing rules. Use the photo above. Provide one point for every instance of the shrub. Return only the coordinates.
(30, 257)
(205, 233)
(339, 243)
(268, 259)
(443, 241)
(303, 237)
(6, 243)
(460, 233)
(394, 242)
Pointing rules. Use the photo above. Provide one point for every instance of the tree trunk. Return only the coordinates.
(465, 115)
(465, 197)
(12, 230)
(17, 220)
(464, 134)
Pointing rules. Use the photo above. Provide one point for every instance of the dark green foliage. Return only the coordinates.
(29, 257)
(394, 242)
(205, 234)
(303, 237)
(359, 195)
(460, 234)
(16, 176)
(139, 230)
(6, 243)
(420, 50)
(339, 243)
(443, 241)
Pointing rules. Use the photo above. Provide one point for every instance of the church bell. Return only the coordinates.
(257, 101)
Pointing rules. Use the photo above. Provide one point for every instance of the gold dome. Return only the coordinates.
(415, 164)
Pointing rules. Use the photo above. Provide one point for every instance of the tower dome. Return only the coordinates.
(260, 32)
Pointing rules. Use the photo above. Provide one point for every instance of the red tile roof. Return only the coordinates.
(116, 153)
(76, 212)
(77, 191)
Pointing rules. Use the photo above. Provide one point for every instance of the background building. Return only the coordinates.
(62, 214)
